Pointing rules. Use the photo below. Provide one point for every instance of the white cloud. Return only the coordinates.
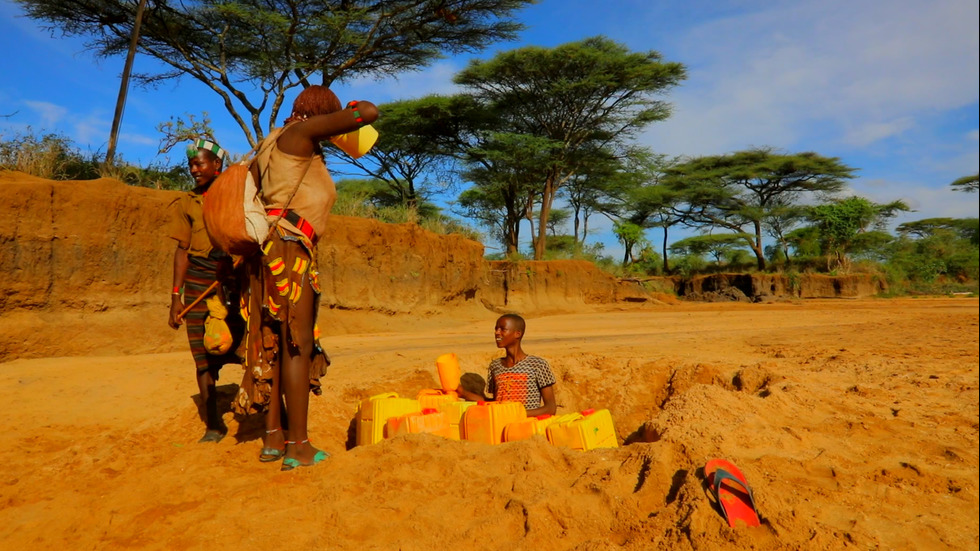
(851, 72)
(436, 79)
(92, 131)
(138, 139)
(867, 133)
(49, 114)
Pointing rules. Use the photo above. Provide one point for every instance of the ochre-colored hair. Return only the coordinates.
(314, 100)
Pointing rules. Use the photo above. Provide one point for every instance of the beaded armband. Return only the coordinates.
(357, 114)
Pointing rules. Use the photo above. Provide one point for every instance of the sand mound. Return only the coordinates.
(855, 422)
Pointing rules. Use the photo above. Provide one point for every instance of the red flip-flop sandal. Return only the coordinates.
(732, 492)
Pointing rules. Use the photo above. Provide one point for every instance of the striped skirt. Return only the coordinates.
(201, 273)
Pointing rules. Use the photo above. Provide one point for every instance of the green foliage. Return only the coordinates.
(252, 52)
(648, 262)
(745, 191)
(941, 254)
(415, 153)
(51, 156)
(357, 198)
(842, 226)
(688, 265)
(179, 131)
(725, 246)
(576, 99)
(966, 228)
(630, 235)
(968, 184)
(55, 157)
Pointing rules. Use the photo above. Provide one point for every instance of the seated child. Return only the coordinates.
(517, 377)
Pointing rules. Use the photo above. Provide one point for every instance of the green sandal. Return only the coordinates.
(268, 455)
(289, 463)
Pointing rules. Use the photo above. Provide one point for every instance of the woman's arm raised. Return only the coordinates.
(299, 138)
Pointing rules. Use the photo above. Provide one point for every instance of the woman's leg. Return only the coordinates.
(275, 435)
(296, 347)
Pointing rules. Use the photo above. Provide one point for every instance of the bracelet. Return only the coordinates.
(357, 113)
(176, 291)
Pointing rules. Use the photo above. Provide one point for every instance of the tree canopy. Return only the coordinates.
(844, 224)
(579, 97)
(252, 52)
(968, 184)
(742, 191)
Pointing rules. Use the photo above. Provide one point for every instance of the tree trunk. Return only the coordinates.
(547, 196)
(757, 246)
(666, 264)
(575, 225)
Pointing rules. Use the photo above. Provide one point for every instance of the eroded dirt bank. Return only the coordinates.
(90, 260)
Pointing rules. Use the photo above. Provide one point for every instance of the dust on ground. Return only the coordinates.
(855, 422)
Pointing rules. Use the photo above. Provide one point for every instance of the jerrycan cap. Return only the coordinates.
(481, 403)
(587, 412)
(543, 416)
(426, 411)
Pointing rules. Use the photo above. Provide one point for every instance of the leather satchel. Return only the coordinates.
(233, 212)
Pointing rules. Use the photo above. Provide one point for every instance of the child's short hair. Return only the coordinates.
(518, 321)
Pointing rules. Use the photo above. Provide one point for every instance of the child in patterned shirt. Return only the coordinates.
(517, 377)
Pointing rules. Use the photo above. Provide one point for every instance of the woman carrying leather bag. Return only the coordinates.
(284, 360)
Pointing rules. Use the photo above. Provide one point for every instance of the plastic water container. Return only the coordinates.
(455, 411)
(594, 430)
(428, 420)
(435, 397)
(358, 142)
(448, 366)
(373, 414)
(485, 421)
(523, 430)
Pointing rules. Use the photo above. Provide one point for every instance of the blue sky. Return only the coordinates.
(889, 86)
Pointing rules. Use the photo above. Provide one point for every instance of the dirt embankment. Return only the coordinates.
(91, 259)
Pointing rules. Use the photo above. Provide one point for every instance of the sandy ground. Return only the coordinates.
(854, 421)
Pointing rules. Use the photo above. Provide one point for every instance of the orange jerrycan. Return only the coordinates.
(373, 413)
(428, 420)
(523, 430)
(434, 398)
(594, 429)
(448, 366)
(485, 421)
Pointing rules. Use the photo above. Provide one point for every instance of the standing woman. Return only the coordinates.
(197, 264)
(284, 360)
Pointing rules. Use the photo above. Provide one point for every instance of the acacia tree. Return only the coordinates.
(252, 52)
(719, 246)
(843, 224)
(580, 96)
(504, 193)
(745, 188)
(968, 184)
(965, 228)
